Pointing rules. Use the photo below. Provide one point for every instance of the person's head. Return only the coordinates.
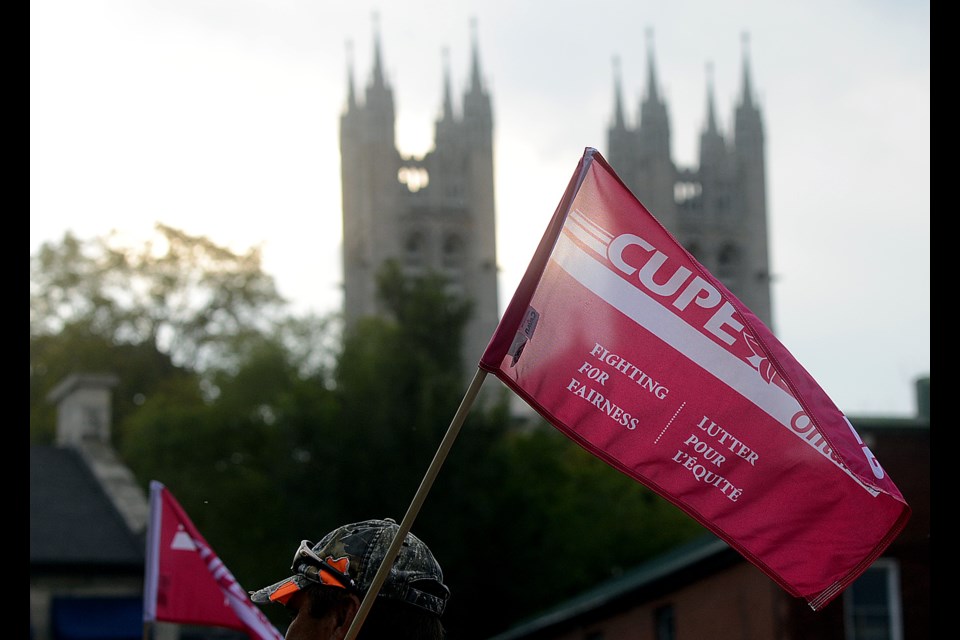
(331, 577)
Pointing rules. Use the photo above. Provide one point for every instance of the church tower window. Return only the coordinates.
(414, 249)
(453, 252)
(415, 178)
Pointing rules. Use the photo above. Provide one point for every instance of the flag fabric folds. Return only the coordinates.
(185, 582)
(620, 339)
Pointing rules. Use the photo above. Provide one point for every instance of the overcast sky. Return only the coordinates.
(220, 118)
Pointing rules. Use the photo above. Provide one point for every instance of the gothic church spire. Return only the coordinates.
(748, 127)
(747, 97)
(351, 94)
(654, 130)
(378, 80)
(712, 145)
(447, 99)
(652, 94)
(477, 111)
(711, 112)
(619, 122)
(475, 80)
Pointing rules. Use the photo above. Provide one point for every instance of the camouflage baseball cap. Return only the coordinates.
(350, 556)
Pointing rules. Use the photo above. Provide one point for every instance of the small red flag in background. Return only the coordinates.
(185, 582)
(624, 342)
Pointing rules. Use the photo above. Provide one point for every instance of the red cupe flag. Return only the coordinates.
(186, 583)
(620, 339)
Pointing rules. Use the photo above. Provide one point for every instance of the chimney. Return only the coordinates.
(83, 423)
(84, 402)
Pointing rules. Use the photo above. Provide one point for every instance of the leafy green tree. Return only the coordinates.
(399, 379)
(270, 428)
(140, 369)
(247, 465)
(518, 512)
(193, 299)
(178, 306)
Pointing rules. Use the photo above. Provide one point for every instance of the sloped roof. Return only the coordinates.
(684, 563)
(73, 524)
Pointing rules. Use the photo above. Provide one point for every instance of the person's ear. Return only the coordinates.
(344, 611)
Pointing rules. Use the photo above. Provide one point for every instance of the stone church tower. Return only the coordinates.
(718, 211)
(434, 212)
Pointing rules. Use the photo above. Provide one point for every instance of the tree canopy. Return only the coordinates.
(270, 428)
(192, 299)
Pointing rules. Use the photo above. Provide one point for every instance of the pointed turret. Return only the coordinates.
(747, 97)
(445, 126)
(351, 94)
(475, 83)
(619, 122)
(379, 114)
(652, 94)
(621, 141)
(477, 112)
(378, 80)
(712, 145)
(447, 99)
(748, 128)
(475, 90)
(711, 112)
(654, 121)
(748, 147)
